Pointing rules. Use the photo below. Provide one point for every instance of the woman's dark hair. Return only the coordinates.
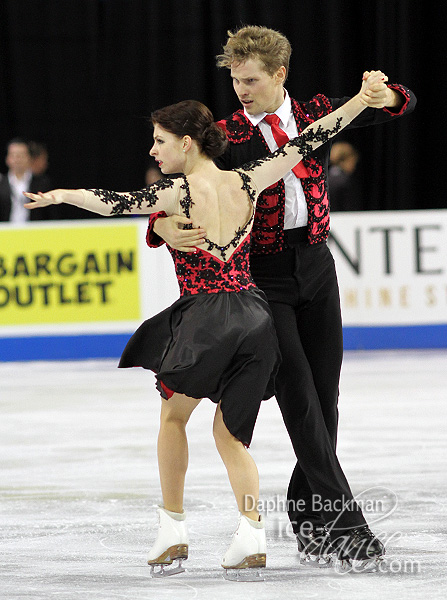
(193, 118)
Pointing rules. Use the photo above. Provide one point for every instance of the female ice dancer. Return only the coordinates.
(218, 340)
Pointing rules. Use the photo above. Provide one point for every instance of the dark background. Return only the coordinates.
(82, 75)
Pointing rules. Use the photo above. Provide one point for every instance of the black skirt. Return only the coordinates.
(220, 346)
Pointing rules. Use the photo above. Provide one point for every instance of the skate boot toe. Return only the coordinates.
(314, 546)
(358, 550)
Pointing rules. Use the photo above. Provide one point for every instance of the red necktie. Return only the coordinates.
(282, 138)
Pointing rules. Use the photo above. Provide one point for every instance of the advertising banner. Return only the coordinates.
(69, 275)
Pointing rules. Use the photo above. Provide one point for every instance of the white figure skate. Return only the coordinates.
(245, 558)
(171, 544)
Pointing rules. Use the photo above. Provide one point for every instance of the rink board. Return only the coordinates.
(78, 289)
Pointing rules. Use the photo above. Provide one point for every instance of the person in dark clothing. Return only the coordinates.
(20, 178)
(344, 178)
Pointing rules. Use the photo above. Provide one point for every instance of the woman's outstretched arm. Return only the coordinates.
(160, 196)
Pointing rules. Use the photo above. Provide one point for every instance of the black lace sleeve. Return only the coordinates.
(123, 203)
(305, 144)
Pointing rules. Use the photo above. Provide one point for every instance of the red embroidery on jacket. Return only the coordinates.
(237, 127)
(268, 229)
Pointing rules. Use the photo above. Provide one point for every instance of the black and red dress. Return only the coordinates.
(218, 339)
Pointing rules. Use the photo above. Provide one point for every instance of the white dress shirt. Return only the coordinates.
(295, 205)
(19, 214)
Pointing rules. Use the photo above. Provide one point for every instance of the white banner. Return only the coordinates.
(391, 267)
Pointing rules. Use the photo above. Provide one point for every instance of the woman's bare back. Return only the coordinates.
(220, 205)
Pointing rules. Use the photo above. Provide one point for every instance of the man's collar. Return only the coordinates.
(283, 112)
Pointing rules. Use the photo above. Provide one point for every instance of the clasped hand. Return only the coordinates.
(374, 91)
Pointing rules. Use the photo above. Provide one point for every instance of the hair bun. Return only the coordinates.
(214, 141)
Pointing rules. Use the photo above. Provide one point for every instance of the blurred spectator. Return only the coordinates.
(18, 179)
(153, 173)
(39, 158)
(345, 189)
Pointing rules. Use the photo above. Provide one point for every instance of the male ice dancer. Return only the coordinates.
(292, 264)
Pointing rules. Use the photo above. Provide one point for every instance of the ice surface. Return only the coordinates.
(79, 482)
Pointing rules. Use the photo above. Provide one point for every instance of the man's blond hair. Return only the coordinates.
(253, 41)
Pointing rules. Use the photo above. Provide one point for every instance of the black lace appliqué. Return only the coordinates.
(302, 142)
(125, 203)
(246, 185)
(186, 202)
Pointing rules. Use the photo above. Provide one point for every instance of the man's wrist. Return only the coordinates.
(395, 101)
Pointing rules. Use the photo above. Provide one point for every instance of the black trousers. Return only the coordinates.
(302, 289)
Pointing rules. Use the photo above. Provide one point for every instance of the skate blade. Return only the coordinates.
(349, 565)
(249, 575)
(251, 568)
(167, 572)
(316, 562)
(172, 553)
